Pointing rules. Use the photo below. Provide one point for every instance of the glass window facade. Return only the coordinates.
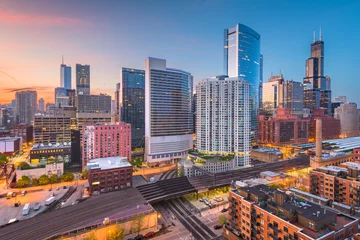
(132, 102)
(82, 79)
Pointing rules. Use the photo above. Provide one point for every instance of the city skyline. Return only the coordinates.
(201, 51)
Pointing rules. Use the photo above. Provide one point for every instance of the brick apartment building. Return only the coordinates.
(283, 129)
(339, 184)
(109, 174)
(263, 213)
(330, 125)
(356, 154)
(106, 140)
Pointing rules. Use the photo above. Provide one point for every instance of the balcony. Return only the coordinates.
(274, 227)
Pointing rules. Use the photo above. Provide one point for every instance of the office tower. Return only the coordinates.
(242, 59)
(54, 127)
(284, 129)
(26, 106)
(315, 81)
(223, 118)
(132, 103)
(193, 106)
(82, 79)
(117, 103)
(106, 140)
(75, 147)
(341, 99)
(71, 93)
(50, 108)
(291, 95)
(261, 81)
(168, 118)
(270, 94)
(349, 119)
(65, 75)
(91, 109)
(61, 98)
(41, 105)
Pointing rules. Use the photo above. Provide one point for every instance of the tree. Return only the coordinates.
(91, 236)
(44, 179)
(35, 181)
(67, 177)
(26, 179)
(138, 222)
(84, 174)
(24, 165)
(54, 178)
(222, 219)
(21, 183)
(117, 233)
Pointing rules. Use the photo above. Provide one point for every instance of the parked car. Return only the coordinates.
(17, 203)
(150, 234)
(217, 227)
(224, 210)
(64, 187)
(52, 194)
(50, 189)
(139, 237)
(23, 192)
(201, 199)
(37, 206)
(14, 194)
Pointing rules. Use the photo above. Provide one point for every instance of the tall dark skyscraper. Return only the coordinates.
(117, 103)
(82, 79)
(242, 59)
(65, 75)
(132, 103)
(261, 80)
(317, 92)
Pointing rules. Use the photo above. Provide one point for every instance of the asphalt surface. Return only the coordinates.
(62, 220)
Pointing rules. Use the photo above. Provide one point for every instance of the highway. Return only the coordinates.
(171, 188)
(90, 212)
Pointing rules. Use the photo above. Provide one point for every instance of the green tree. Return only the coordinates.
(67, 177)
(35, 181)
(84, 174)
(54, 178)
(137, 222)
(23, 165)
(222, 219)
(21, 183)
(26, 179)
(91, 236)
(117, 233)
(44, 179)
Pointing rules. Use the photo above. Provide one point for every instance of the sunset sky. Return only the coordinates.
(109, 35)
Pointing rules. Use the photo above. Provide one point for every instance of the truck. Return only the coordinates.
(26, 209)
(49, 201)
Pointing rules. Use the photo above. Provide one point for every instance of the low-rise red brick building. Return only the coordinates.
(330, 126)
(283, 129)
(109, 174)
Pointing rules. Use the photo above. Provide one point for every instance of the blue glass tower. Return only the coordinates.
(132, 103)
(65, 75)
(242, 59)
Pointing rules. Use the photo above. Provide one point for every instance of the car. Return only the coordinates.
(201, 199)
(17, 203)
(14, 194)
(23, 193)
(150, 234)
(64, 187)
(52, 194)
(57, 188)
(217, 227)
(37, 206)
(50, 189)
(139, 237)
(224, 210)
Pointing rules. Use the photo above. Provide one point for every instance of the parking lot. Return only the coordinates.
(9, 211)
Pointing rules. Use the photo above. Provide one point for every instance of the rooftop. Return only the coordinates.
(108, 163)
(270, 174)
(51, 145)
(269, 150)
(338, 145)
(3, 139)
(333, 169)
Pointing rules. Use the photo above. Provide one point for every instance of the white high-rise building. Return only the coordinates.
(168, 115)
(223, 120)
(349, 119)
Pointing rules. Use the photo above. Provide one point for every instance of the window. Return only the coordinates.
(286, 229)
(262, 221)
(351, 230)
(261, 214)
(311, 225)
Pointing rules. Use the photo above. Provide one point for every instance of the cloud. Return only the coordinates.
(33, 88)
(10, 17)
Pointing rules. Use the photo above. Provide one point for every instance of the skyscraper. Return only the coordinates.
(65, 75)
(61, 98)
(41, 105)
(117, 103)
(261, 80)
(223, 118)
(132, 103)
(271, 94)
(82, 79)
(292, 97)
(26, 106)
(168, 116)
(242, 59)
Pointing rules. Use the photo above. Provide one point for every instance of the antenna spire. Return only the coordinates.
(62, 59)
(320, 34)
(314, 36)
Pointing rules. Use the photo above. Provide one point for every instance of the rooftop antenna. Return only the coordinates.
(314, 35)
(62, 59)
(320, 34)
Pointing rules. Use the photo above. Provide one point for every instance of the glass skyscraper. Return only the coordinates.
(168, 113)
(65, 76)
(82, 79)
(132, 103)
(242, 59)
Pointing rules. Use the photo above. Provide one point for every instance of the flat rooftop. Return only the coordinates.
(108, 163)
(51, 146)
(270, 174)
(338, 144)
(268, 150)
(7, 139)
(333, 169)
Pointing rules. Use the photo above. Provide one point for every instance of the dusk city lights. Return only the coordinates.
(179, 120)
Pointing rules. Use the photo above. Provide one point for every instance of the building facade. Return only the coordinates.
(348, 115)
(106, 140)
(25, 132)
(9, 145)
(109, 174)
(65, 76)
(168, 116)
(117, 103)
(242, 59)
(224, 118)
(284, 129)
(260, 212)
(41, 108)
(132, 103)
(26, 106)
(291, 96)
(50, 153)
(330, 125)
(271, 94)
(82, 79)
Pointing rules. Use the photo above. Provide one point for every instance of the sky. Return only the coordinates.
(109, 35)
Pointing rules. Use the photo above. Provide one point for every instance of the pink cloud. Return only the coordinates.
(17, 18)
